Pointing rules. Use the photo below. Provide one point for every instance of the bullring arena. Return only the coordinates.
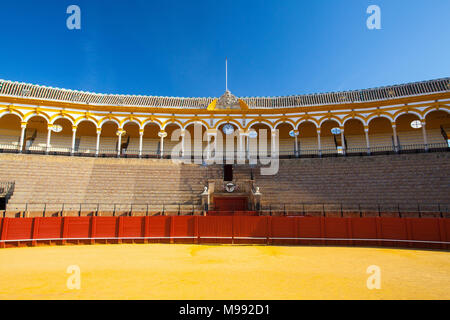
(114, 186)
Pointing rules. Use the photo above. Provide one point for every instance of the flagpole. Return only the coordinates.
(226, 74)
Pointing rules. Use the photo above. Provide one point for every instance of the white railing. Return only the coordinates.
(23, 90)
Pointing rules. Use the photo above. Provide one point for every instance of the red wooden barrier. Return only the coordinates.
(132, 227)
(393, 228)
(364, 228)
(232, 213)
(283, 227)
(336, 228)
(444, 228)
(105, 228)
(309, 227)
(2, 233)
(250, 229)
(373, 231)
(18, 229)
(157, 228)
(184, 229)
(425, 230)
(47, 228)
(77, 229)
(215, 229)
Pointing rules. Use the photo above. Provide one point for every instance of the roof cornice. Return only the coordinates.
(22, 92)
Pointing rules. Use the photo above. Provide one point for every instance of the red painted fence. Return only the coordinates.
(375, 231)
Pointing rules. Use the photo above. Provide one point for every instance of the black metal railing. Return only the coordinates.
(56, 208)
(399, 209)
(283, 153)
(420, 209)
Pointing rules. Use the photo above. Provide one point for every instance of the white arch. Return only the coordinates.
(77, 123)
(408, 112)
(435, 109)
(35, 115)
(146, 123)
(306, 120)
(267, 123)
(132, 121)
(355, 118)
(379, 116)
(110, 120)
(171, 122)
(11, 112)
(234, 122)
(61, 117)
(194, 123)
(338, 121)
(283, 122)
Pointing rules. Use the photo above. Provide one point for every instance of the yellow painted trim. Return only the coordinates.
(11, 111)
(106, 108)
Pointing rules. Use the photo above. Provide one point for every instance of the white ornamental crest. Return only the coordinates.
(228, 101)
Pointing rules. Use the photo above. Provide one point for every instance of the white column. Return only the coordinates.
(247, 147)
(23, 126)
(366, 132)
(241, 145)
(208, 149)
(424, 133)
(394, 130)
(74, 133)
(162, 134)
(296, 142)
(49, 135)
(162, 147)
(273, 143)
(141, 135)
(97, 147)
(344, 147)
(120, 132)
(319, 146)
(218, 152)
(182, 142)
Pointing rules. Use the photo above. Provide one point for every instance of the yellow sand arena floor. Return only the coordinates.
(161, 271)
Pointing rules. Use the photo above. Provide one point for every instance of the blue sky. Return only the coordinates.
(178, 48)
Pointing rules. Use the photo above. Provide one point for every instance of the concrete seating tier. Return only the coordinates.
(58, 180)
(388, 183)
(386, 179)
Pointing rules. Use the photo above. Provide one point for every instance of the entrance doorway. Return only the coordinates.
(231, 203)
(228, 172)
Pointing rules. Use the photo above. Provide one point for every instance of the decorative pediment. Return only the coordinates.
(228, 101)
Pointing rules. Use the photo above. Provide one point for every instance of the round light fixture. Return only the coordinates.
(336, 131)
(293, 133)
(416, 124)
(230, 187)
(228, 129)
(56, 128)
(252, 134)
